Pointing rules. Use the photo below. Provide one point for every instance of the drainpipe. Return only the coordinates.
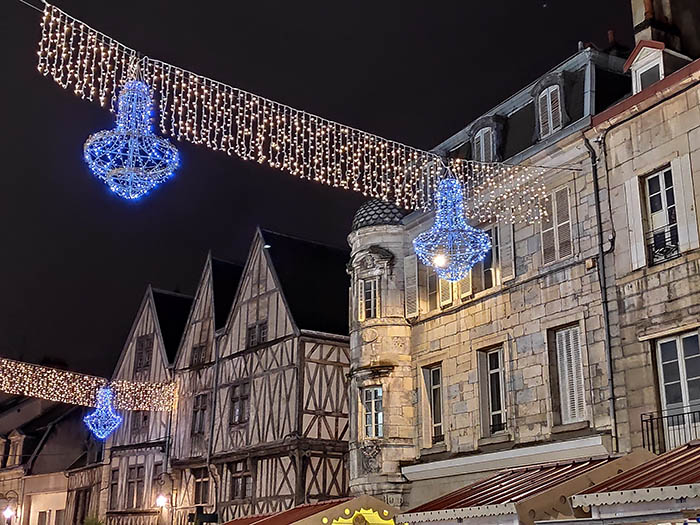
(604, 292)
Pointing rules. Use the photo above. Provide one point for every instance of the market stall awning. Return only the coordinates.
(333, 512)
(523, 494)
(671, 476)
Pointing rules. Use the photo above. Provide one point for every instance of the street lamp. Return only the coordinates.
(161, 501)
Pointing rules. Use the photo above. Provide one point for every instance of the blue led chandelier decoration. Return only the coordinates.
(130, 158)
(451, 246)
(104, 419)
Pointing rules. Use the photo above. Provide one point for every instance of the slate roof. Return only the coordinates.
(376, 212)
(314, 281)
(172, 310)
(225, 278)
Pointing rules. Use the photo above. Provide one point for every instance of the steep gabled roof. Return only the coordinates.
(225, 277)
(172, 310)
(314, 281)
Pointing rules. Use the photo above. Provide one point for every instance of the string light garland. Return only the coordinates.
(52, 384)
(130, 159)
(451, 246)
(103, 420)
(224, 118)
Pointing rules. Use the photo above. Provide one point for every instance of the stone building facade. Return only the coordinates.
(560, 343)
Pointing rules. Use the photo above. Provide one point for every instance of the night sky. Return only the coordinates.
(76, 259)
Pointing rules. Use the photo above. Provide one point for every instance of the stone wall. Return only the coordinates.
(654, 300)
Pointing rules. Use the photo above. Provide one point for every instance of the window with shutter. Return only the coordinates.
(445, 292)
(506, 248)
(543, 105)
(550, 113)
(556, 227)
(563, 217)
(482, 145)
(465, 286)
(410, 274)
(549, 245)
(555, 108)
(570, 367)
(360, 300)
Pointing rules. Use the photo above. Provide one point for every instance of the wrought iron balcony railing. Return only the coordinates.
(662, 244)
(670, 429)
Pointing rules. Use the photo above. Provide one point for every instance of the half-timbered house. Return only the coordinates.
(136, 459)
(262, 413)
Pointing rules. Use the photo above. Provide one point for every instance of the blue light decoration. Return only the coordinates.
(451, 246)
(103, 420)
(130, 158)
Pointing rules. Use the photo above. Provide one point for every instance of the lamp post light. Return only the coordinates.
(10, 509)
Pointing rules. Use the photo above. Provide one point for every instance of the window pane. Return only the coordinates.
(694, 390)
(655, 203)
(670, 199)
(668, 351)
(692, 367)
(437, 407)
(671, 372)
(494, 361)
(690, 346)
(495, 392)
(435, 376)
(654, 185)
(673, 394)
(668, 179)
(649, 77)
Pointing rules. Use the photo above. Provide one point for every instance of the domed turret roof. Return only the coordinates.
(376, 212)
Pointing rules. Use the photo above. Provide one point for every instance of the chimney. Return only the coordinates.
(676, 23)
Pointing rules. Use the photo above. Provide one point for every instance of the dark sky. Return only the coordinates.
(76, 259)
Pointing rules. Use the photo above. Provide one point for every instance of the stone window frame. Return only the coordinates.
(484, 374)
(380, 434)
(433, 438)
(544, 83)
(548, 327)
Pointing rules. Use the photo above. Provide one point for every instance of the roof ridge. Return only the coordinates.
(219, 259)
(301, 239)
(171, 292)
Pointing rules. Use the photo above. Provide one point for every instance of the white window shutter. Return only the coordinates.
(476, 147)
(445, 291)
(506, 250)
(549, 249)
(684, 194)
(488, 145)
(544, 114)
(570, 365)
(635, 224)
(360, 300)
(465, 286)
(563, 220)
(410, 275)
(555, 107)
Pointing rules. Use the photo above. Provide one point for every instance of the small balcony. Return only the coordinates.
(664, 431)
(662, 244)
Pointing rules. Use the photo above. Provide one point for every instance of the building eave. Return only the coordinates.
(644, 495)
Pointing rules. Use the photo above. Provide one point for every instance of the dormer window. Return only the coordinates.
(549, 105)
(482, 145)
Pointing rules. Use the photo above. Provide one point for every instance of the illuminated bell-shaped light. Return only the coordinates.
(130, 158)
(451, 246)
(8, 512)
(103, 420)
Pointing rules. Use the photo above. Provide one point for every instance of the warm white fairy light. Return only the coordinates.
(53, 384)
(225, 118)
